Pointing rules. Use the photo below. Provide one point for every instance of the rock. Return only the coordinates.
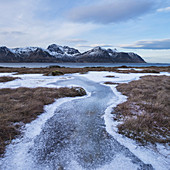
(6, 55)
(80, 90)
(56, 73)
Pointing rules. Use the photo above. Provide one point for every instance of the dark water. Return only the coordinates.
(80, 65)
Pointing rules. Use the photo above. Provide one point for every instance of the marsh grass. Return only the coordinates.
(22, 105)
(111, 83)
(64, 70)
(7, 78)
(146, 113)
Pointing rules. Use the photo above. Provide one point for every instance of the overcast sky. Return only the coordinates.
(140, 26)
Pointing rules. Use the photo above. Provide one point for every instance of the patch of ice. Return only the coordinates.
(120, 162)
(137, 69)
(33, 80)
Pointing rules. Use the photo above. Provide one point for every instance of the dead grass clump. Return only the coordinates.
(7, 78)
(23, 105)
(109, 82)
(145, 114)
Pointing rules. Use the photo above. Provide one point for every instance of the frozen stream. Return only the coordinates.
(74, 138)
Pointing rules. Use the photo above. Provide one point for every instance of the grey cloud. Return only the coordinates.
(111, 11)
(95, 45)
(12, 33)
(163, 44)
(77, 41)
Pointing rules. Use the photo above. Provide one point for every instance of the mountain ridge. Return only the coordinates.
(57, 53)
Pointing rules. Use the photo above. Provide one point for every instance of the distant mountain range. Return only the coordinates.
(56, 53)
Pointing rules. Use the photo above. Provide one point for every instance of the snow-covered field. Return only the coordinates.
(157, 156)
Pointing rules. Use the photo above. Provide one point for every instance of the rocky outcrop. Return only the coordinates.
(56, 53)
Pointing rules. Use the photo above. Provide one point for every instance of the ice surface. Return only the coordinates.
(158, 157)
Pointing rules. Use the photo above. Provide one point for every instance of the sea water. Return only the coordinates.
(81, 65)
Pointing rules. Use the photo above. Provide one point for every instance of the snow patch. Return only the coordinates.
(32, 80)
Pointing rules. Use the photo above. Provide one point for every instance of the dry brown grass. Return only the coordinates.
(7, 78)
(146, 113)
(24, 105)
(64, 70)
(50, 70)
(109, 82)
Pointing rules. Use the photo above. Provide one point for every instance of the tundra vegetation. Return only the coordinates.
(7, 78)
(57, 70)
(22, 105)
(146, 113)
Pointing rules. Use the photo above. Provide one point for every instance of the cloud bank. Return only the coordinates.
(167, 9)
(95, 45)
(111, 11)
(163, 44)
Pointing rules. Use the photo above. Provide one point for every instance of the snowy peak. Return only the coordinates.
(71, 51)
(54, 49)
(25, 50)
(96, 51)
(100, 50)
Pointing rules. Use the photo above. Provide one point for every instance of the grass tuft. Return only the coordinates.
(7, 78)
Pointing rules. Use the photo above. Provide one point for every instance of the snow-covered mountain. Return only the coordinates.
(57, 53)
(56, 49)
(102, 55)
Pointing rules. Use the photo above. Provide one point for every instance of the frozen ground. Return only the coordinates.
(156, 156)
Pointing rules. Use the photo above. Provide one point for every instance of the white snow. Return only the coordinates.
(137, 69)
(156, 156)
(23, 50)
(32, 80)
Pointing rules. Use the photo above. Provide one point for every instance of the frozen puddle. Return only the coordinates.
(72, 134)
